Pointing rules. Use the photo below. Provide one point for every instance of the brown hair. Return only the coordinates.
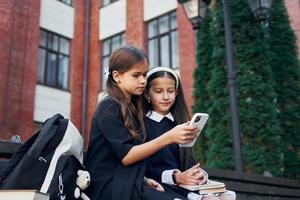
(180, 113)
(179, 109)
(122, 60)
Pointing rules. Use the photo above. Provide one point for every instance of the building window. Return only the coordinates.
(163, 41)
(107, 2)
(68, 2)
(108, 45)
(53, 66)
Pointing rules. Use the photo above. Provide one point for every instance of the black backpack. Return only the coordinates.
(48, 161)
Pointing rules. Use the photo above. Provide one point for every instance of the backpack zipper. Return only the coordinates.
(61, 194)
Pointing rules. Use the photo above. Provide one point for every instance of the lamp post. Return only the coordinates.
(231, 76)
(195, 12)
(260, 8)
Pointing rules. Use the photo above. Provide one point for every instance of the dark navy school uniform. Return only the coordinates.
(161, 165)
(110, 141)
(166, 158)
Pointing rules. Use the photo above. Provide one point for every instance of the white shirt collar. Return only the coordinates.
(158, 117)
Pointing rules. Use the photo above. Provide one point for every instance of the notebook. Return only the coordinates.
(23, 195)
(209, 187)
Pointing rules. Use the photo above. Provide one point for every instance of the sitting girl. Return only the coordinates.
(165, 107)
(116, 152)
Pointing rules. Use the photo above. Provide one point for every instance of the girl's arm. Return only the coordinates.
(180, 134)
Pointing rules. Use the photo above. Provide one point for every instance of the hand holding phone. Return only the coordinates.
(198, 120)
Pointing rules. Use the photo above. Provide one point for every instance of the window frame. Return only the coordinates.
(122, 42)
(110, 2)
(57, 53)
(69, 4)
(159, 35)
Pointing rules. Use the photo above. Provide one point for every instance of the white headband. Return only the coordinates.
(164, 69)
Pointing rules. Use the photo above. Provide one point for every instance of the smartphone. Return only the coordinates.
(198, 120)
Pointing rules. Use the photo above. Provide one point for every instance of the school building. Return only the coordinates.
(54, 54)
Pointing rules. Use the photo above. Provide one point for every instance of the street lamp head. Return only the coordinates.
(195, 10)
(260, 8)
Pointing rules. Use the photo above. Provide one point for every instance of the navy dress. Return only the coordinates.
(167, 158)
(110, 142)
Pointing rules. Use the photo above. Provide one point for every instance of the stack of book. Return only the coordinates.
(208, 188)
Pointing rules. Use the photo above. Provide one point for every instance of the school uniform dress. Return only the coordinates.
(168, 157)
(110, 141)
(161, 165)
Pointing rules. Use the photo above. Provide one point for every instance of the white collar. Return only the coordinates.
(158, 117)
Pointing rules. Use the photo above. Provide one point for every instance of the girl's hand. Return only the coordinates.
(183, 133)
(153, 184)
(193, 176)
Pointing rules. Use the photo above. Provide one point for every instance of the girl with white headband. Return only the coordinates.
(165, 107)
(117, 148)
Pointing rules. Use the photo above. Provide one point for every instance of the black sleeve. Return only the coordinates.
(111, 125)
(152, 172)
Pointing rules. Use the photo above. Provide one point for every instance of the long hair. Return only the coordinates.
(180, 113)
(122, 60)
(179, 108)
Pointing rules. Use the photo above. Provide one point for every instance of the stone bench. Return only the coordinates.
(7, 149)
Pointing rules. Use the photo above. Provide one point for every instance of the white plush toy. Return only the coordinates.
(83, 181)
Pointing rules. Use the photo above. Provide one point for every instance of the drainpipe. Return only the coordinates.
(85, 68)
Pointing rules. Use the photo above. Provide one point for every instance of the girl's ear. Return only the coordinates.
(115, 76)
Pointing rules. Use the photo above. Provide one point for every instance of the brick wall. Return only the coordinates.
(94, 65)
(76, 64)
(135, 27)
(19, 33)
(186, 37)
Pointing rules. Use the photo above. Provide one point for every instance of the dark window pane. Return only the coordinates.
(43, 38)
(63, 72)
(122, 40)
(53, 42)
(106, 47)
(41, 66)
(64, 46)
(174, 45)
(116, 42)
(152, 29)
(165, 51)
(163, 44)
(153, 52)
(51, 69)
(163, 24)
(53, 66)
(69, 2)
(105, 61)
(173, 20)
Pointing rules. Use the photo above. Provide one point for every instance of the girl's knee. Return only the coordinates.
(210, 197)
(228, 195)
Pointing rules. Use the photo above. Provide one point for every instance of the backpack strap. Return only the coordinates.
(46, 134)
